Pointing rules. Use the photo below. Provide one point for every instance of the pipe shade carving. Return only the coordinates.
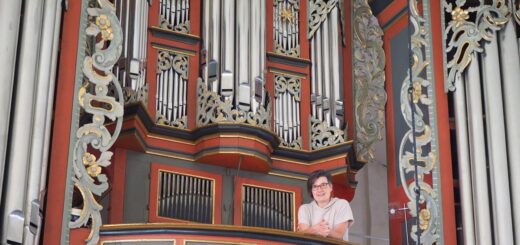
(468, 27)
(286, 27)
(369, 80)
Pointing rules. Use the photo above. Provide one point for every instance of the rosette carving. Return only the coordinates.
(91, 151)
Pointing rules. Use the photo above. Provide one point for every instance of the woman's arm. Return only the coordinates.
(321, 228)
(340, 229)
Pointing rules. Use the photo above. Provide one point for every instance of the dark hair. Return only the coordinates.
(314, 176)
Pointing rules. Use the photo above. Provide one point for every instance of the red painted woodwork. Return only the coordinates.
(391, 11)
(154, 192)
(444, 144)
(348, 92)
(53, 219)
(117, 194)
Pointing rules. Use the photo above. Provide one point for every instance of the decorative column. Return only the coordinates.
(369, 80)
(425, 197)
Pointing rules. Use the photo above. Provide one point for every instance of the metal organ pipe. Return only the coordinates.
(511, 81)
(326, 84)
(234, 41)
(497, 144)
(24, 109)
(478, 153)
(464, 162)
(336, 74)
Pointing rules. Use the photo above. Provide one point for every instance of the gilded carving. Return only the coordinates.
(177, 123)
(369, 80)
(318, 11)
(279, 49)
(284, 84)
(287, 91)
(323, 135)
(295, 144)
(468, 28)
(94, 139)
(175, 15)
(420, 97)
(286, 27)
(211, 109)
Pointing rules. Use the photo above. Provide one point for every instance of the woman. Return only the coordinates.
(326, 215)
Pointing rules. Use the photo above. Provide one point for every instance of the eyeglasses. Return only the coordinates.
(320, 186)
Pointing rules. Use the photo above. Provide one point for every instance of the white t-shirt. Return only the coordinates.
(336, 212)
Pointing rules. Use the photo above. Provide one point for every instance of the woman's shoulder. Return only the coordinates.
(341, 202)
(306, 206)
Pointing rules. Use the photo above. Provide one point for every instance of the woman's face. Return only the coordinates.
(321, 189)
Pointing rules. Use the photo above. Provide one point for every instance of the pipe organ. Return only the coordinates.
(227, 109)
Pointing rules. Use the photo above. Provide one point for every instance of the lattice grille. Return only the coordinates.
(185, 197)
(262, 207)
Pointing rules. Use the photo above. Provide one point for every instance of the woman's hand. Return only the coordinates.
(322, 228)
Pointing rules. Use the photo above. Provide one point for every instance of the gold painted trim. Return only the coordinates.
(173, 156)
(171, 139)
(284, 159)
(173, 50)
(217, 242)
(157, 28)
(307, 61)
(219, 227)
(176, 128)
(205, 153)
(214, 186)
(286, 73)
(288, 176)
(275, 189)
(139, 240)
(339, 172)
(239, 136)
(321, 149)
